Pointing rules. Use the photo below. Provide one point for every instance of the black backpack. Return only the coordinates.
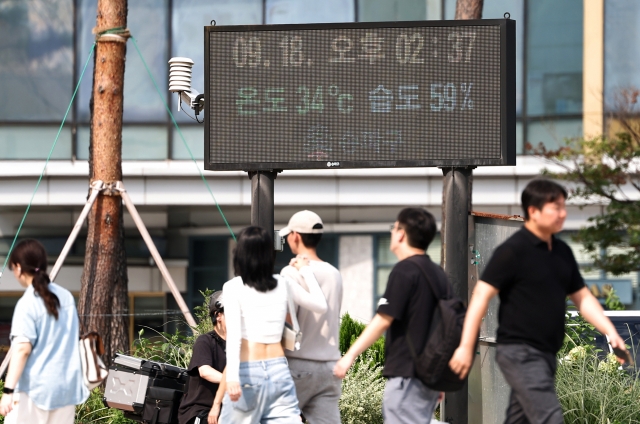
(445, 331)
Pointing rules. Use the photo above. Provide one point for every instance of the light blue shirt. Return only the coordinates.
(52, 376)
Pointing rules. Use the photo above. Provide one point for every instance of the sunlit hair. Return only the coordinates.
(254, 257)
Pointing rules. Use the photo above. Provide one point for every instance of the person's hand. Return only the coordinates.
(233, 390)
(616, 342)
(6, 404)
(299, 261)
(214, 413)
(342, 366)
(461, 361)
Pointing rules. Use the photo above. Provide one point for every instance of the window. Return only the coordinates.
(308, 11)
(621, 48)
(36, 60)
(208, 266)
(149, 313)
(398, 10)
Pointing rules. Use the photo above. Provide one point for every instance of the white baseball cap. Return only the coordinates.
(304, 222)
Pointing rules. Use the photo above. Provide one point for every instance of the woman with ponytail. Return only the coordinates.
(44, 381)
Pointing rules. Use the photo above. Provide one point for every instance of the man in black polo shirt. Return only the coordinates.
(404, 311)
(533, 272)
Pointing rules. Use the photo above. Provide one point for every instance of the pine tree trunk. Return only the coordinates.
(103, 305)
(469, 9)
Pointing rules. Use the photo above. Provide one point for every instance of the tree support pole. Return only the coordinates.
(456, 204)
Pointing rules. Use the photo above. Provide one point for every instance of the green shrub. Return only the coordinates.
(592, 390)
(93, 411)
(362, 392)
(350, 329)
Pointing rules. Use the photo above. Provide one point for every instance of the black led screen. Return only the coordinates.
(429, 93)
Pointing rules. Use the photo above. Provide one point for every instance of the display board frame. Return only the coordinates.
(507, 29)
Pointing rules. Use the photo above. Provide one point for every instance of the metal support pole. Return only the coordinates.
(155, 254)
(455, 237)
(262, 199)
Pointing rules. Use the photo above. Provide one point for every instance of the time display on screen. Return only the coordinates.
(433, 93)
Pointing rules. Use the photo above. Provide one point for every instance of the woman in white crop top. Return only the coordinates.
(258, 382)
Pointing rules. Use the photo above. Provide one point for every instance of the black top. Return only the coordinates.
(411, 302)
(534, 283)
(209, 349)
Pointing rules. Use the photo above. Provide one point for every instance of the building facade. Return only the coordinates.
(573, 57)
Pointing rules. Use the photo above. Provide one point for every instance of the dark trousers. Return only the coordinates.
(531, 375)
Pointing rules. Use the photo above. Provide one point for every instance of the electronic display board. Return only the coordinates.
(360, 95)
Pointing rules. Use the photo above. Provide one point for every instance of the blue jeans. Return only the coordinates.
(268, 395)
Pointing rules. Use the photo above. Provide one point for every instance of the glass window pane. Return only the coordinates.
(147, 20)
(148, 315)
(391, 10)
(553, 133)
(194, 137)
(495, 9)
(86, 12)
(138, 143)
(554, 57)
(382, 277)
(621, 48)
(519, 138)
(188, 19)
(144, 143)
(385, 257)
(82, 143)
(141, 100)
(309, 11)
(34, 143)
(36, 59)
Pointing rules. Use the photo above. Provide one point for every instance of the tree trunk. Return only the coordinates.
(103, 305)
(469, 9)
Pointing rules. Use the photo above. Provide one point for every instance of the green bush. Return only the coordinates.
(592, 390)
(350, 329)
(592, 387)
(362, 392)
(93, 411)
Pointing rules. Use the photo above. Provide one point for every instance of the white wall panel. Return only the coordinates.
(371, 191)
(356, 268)
(316, 191)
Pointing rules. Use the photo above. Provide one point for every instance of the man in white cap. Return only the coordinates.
(317, 388)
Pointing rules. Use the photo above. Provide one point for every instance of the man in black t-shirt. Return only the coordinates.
(205, 369)
(533, 272)
(405, 311)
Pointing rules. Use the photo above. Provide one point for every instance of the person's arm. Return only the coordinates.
(214, 413)
(376, 328)
(592, 311)
(234, 339)
(19, 354)
(462, 358)
(313, 299)
(210, 374)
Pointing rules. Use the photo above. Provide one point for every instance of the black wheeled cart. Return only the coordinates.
(146, 391)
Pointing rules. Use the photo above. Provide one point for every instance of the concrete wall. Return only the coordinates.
(356, 267)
